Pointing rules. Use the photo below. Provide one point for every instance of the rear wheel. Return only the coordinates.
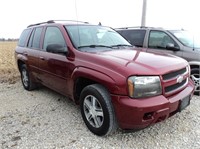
(27, 82)
(195, 76)
(97, 110)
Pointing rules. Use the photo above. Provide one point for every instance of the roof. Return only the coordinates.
(146, 28)
(140, 27)
(59, 21)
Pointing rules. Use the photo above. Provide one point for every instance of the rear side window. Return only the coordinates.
(135, 37)
(34, 41)
(23, 37)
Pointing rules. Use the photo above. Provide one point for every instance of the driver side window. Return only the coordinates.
(159, 40)
(53, 35)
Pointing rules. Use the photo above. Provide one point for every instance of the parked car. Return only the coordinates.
(177, 42)
(115, 84)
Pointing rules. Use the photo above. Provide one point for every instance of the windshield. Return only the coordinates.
(95, 36)
(187, 38)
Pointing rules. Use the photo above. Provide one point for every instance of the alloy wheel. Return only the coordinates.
(93, 111)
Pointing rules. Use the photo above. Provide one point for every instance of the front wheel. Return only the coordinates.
(97, 110)
(195, 76)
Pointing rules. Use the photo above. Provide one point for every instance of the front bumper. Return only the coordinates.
(140, 113)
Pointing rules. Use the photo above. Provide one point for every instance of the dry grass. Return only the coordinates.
(8, 67)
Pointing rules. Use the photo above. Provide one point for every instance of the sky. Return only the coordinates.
(16, 15)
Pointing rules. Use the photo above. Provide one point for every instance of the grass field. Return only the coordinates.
(8, 68)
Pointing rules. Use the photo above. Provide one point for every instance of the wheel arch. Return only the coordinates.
(194, 64)
(20, 63)
(79, 84)
(83, 77)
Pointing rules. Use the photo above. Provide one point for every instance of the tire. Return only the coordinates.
(97, 110)
(195, 76)
(27, 82)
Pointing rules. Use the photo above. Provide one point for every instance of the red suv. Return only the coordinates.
(115, 84)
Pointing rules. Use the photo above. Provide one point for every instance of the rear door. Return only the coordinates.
(32, 51)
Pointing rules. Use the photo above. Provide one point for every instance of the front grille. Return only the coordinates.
(171, 81)
(175, 86)
(174, 74)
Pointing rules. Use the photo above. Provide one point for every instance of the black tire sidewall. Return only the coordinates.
(23, 67)
(106, 123)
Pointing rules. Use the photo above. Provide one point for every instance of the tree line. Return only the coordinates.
(9, 39)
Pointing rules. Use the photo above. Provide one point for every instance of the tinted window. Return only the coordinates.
(34, 40)
(23, 37)
(159, 39)
(53, 35)
(31, 39)
(135, 37)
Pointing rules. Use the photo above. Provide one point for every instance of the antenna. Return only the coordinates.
(77, 23)
(76, 10)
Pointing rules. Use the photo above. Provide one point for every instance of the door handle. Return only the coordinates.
(25, 53)
(42, 58)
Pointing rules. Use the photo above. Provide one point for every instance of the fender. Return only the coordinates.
(97, 76)
(22, 58)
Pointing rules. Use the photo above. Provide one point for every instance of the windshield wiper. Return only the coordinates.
(94, 46)
(122, 45)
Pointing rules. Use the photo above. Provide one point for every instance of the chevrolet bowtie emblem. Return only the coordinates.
(179, 79)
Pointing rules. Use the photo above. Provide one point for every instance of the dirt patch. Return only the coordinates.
(9, 76)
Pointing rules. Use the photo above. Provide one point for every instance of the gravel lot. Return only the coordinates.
(43, 119)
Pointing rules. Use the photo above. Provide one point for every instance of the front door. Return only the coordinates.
(158, 41)
(54, 66)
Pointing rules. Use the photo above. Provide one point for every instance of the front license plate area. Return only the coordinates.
(184, 103)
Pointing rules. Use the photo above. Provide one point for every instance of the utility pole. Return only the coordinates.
(143, 22)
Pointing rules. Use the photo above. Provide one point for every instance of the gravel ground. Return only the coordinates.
(43, 119)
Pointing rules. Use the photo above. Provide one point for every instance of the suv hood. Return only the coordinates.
(142, 63)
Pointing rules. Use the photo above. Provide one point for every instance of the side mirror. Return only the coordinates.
(57, 48)
(171, 46)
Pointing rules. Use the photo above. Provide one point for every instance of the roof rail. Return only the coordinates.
(50, 21)
(133, 27)
(54, 21)
(68, 21)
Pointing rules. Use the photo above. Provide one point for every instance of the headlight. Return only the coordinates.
(144, 86)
